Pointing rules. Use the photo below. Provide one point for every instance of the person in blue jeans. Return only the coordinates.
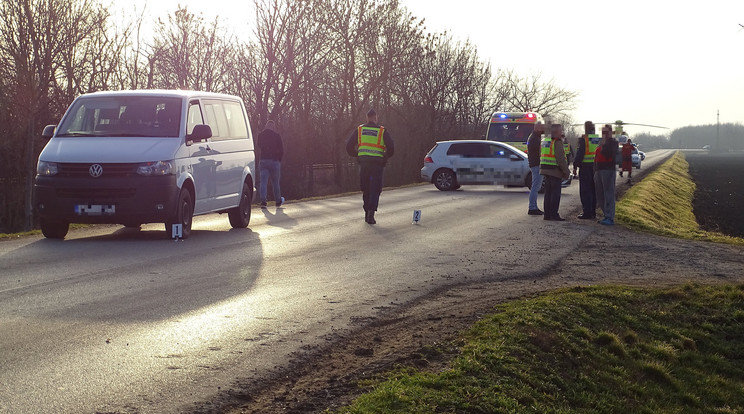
(533, 153)
(604, 175)
(270, 153)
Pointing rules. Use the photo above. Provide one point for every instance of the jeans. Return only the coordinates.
(270, 168)
(370, 182)
(537, 181)
(604, 181)
(587, 190)
(552, 197)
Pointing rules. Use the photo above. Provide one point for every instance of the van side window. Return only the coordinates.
(194, 117)
(226, 119)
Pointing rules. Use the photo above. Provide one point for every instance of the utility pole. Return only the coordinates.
(718, 128)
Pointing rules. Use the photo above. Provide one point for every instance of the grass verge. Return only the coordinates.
(588, 350)
(607, 349)
(662, 204)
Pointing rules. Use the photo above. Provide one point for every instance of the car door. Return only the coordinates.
(509, 168)
(472, 162)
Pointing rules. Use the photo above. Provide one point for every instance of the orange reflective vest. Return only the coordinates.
(370, 141)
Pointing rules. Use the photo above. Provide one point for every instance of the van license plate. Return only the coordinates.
(95, 209)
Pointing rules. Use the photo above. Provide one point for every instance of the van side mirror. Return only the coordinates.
(200, 133)
(48, 131)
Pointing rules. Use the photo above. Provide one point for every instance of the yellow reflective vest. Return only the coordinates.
(370, 141)
(547, 156)
(591, 143)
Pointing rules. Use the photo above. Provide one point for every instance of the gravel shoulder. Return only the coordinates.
(327, 378)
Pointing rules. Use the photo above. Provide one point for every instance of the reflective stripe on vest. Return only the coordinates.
(370, 141)
(591, 142)
(547, 157)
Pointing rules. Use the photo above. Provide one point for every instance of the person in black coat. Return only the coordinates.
(270, 153)
(372, 145)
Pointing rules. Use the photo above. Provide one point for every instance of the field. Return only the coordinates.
(717, 202)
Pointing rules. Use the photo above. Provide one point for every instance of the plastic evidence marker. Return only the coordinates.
(177, 231)
(416, 216)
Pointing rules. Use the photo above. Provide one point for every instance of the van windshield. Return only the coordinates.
(122, 116)
(511, 132)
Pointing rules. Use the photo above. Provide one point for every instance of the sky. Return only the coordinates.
(657, 62)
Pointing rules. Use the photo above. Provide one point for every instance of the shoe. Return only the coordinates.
(607, 222)
(280, 202)
(371, 217)
(263, 204)
(556, 218)
(586, 217)
(535, 212)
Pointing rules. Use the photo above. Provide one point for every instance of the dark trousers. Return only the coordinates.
(370, 182)
(587, 190)
(552, 197)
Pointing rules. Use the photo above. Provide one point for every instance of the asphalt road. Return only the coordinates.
(122, 320)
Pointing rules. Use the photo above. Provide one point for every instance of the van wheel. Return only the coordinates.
(445, 180)
(54, 229)
(183, 215)
(240, 216)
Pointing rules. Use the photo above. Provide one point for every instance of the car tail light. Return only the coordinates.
(428, 159)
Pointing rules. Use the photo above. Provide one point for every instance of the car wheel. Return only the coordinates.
(240, 216)
(54, 229)
(183, 215)
(445, 180)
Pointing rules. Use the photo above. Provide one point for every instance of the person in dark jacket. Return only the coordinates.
(584, 162)
(533, 153)
(270, 153)
(604, 175)
(372, 145)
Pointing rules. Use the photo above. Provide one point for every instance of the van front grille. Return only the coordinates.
(109, 170)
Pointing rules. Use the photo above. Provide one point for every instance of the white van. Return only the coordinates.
(134, 157)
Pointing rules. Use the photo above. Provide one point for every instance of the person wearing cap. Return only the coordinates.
(270, 153)
(372, 145)
(584, 162)
(554, 168)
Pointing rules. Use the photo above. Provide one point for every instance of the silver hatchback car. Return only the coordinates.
(451, 164)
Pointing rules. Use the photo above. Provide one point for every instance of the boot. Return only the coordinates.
(371, 217)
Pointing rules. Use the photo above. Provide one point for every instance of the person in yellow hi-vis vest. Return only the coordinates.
(372, 145)
(554, 168)
(584, 161)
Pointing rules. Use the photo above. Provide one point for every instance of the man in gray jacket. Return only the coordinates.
(554, 168)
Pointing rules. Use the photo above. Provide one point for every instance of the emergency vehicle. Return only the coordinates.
(513, 128)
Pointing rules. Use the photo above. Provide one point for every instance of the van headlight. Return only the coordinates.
(156, 168)
(46, 169)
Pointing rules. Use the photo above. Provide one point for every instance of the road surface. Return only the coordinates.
(122, 320)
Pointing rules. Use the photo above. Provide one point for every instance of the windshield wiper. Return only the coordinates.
(78, 134)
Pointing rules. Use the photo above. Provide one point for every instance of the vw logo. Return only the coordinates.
(95, 170)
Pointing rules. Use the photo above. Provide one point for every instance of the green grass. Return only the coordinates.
(588, 350)
(608, 349)
(662, 204)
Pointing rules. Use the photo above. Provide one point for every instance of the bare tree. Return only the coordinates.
(35, 35)
(189, 54)
(533, 94)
